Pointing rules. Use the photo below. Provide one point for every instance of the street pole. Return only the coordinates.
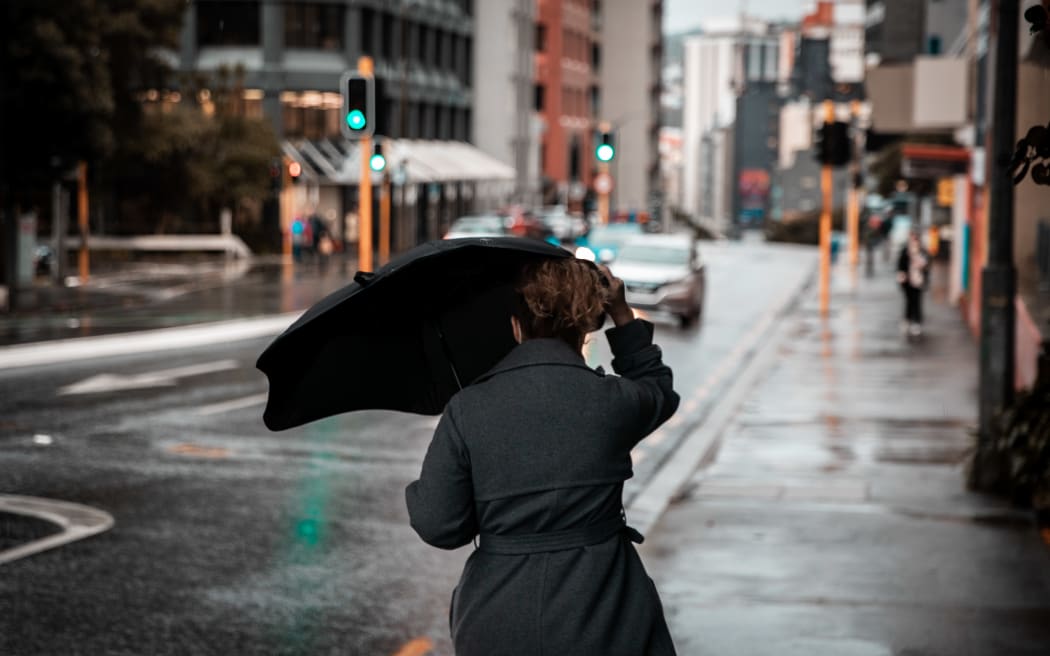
(853, 200)
(83, 263)
(825, 220)
(603, 194)
(364, 232)
(999, 276)
(384, 220)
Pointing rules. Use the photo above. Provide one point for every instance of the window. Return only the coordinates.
(541, 38)
(933, 44)
(313, 25)
(228, 23)
(538, 93)
(368, 41)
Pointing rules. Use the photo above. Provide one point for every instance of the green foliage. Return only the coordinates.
(1024, 443)
(69, 67)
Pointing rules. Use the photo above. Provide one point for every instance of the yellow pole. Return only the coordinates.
(853, 201)
(384, 220)
(825, 221)
(603, 196)
(364, 212)
(82, 222)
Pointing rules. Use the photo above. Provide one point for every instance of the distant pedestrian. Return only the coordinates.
(913, 273)
(530, 458)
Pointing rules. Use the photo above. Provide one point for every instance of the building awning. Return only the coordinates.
(338, 161)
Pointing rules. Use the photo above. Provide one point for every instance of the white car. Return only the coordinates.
(663, 272)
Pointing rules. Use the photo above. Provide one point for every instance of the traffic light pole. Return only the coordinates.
(825, 220)
(364, 210)
(83, 261)
(384, 220)
(853, 200)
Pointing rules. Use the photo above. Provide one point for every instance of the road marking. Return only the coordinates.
(165, 378)
(234, 404)
(149, 341)
(77, 521)
(416, 647)
(198, 450)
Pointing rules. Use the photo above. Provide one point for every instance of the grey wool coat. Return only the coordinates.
(530, 461)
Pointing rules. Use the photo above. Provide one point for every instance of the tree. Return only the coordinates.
(69, 70)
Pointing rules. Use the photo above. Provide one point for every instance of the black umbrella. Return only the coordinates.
(406, 337)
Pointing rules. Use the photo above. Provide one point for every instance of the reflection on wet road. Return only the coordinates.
(232, 539)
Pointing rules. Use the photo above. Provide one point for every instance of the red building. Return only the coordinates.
(566, 94)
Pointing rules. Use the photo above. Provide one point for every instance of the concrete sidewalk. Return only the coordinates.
(833, 519)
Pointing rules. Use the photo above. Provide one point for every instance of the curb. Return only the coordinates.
(649, 505)
(163, 339)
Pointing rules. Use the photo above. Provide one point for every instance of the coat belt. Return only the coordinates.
(574, 538)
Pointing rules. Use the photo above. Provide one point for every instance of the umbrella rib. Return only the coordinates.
(448, 355)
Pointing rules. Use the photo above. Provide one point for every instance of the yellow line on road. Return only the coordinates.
(417, 647)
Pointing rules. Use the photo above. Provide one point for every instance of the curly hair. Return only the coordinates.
(563, 298)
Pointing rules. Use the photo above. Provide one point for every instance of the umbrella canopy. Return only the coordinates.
(406, 337)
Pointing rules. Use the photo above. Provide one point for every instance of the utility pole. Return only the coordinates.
(384, 219)
(523, 98)
(825, 219)
(999, 277)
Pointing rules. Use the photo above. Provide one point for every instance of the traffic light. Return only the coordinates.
(295, 171)
(832, 144)
(605, 151)
(358, 105)
(377, 162)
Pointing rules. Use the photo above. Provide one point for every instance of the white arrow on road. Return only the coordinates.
(165, 378)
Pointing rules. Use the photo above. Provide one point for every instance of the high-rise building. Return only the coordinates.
(630, 93)
(289, 56)
(709, 104)
(505, 125)
(566, 94)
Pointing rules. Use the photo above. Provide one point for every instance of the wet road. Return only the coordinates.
(232, 539)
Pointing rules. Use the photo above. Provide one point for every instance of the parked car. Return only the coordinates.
(563, 225)
(664, 273)
(603, 241)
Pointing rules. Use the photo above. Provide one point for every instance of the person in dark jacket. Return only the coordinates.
(530, 461)
(912, 273)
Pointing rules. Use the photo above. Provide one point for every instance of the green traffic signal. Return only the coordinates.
(604, 152)
(356, 119)
(377, 162)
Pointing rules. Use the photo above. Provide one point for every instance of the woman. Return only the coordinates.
(531, 458)
(912, 269)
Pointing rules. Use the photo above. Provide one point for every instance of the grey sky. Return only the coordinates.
(681, 15)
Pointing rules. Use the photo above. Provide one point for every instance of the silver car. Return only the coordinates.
(664, 273)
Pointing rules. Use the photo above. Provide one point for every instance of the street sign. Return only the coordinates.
(603, 183)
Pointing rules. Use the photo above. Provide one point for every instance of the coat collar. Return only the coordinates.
(539, 351)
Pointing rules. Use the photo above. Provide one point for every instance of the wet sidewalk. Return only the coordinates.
(146, 296)
(833, 519)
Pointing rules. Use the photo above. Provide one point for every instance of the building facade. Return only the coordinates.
(630, 82)
(289, 56)
(567, 94)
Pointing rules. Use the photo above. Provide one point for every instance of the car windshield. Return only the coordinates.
(478, 224)
(605, 236)
(654, 254)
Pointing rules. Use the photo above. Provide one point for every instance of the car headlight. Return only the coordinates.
(680, 288)
(585, 253)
